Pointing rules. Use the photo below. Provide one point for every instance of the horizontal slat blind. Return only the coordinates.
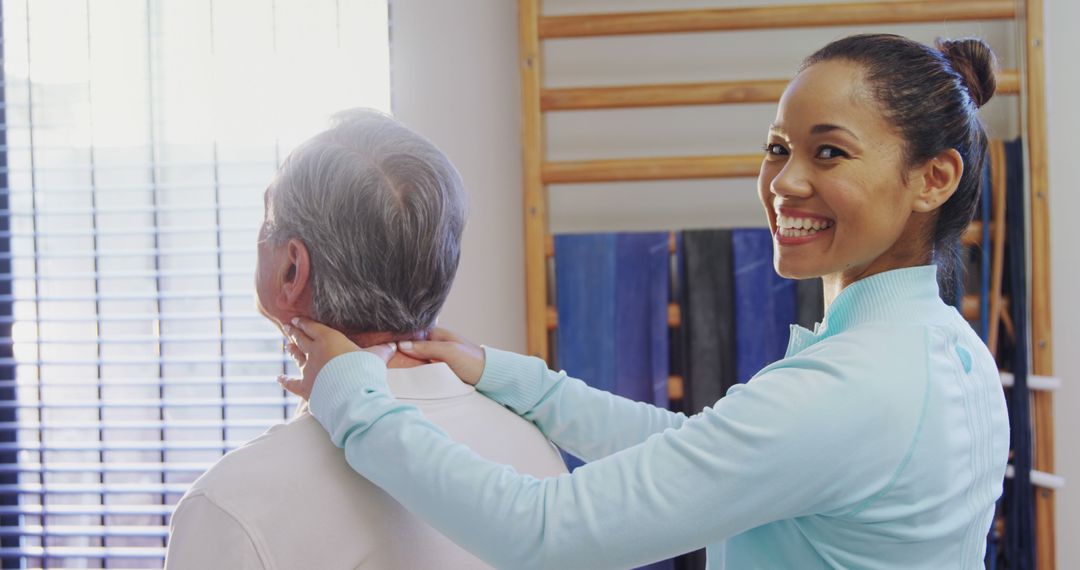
(136, 140)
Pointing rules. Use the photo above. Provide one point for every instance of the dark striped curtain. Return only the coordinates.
(8, 459)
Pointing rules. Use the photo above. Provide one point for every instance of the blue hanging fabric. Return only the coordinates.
(1019, 494)
(764, 303)
(585, 300)
(640, 330)
(612, 293)
(584, 286)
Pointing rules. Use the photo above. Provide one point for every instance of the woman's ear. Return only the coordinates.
(295, 272)
(939, 178)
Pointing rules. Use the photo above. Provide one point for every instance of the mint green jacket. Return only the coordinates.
(879, 441)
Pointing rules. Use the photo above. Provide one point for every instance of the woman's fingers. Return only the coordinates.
(429, 349)
(383, 351)
(294, 386)
(466, 360)
(297, 338)
(313, 329)
(439, 333)
(297, 354)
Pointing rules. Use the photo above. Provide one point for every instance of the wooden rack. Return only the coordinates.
(1029, 82)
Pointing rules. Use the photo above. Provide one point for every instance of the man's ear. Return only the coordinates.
(938, 180)
(295, 271)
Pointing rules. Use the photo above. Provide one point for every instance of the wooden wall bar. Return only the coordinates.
(774, 17)
(1042, 355)
(683, 94)
(716, 93)
(535, 195)
(662, 168)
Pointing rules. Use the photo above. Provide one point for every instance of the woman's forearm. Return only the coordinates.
(587, 422)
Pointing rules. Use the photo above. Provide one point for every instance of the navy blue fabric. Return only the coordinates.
(641, 331)
(585, 300)
(764, 303)
(612, 293)
(1019, 494)
(985, 209)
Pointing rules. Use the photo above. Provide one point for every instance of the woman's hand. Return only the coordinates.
(464, 358)
(312, 345)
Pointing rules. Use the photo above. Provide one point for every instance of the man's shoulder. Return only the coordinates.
(270, 460)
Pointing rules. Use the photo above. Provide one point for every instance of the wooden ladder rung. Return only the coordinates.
(972, 236)
(663, 168)
(775, 17)
(675, 388)
(677, 94)
(716, 93)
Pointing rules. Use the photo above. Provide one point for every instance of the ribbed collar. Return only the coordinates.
(427, 382)
(900, 295)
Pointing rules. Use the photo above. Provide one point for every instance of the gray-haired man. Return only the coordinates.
(363, 233)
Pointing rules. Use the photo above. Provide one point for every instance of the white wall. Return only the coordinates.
(455, 79)
(1063, 79)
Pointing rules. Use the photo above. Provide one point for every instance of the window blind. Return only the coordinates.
(136, 140)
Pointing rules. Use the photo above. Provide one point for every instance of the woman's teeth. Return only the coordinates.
(800, 227)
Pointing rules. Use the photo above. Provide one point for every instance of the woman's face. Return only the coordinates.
(832, 180)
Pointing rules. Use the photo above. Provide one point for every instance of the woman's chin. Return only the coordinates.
(798, 271)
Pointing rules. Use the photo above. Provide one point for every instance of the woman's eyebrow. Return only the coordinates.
(825, 128)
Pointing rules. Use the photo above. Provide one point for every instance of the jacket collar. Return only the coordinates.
(900, 295)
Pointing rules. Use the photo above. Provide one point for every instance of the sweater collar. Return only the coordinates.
(435, 381)
(892, 296)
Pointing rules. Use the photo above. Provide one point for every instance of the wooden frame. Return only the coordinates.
(538, 173)
(1042, 355)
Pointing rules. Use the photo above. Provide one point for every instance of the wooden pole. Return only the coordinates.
(664, 168)
(715, 93)
(679, 94)
(775, 17)
(535, 198)
(1041, 346)
(997, 240)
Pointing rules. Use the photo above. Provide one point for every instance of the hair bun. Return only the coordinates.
(975, 62)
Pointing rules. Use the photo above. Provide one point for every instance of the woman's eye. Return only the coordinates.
(775, 149)
(828, 152)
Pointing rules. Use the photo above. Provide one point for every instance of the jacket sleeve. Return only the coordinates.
(779, 448)
(204, 536)
(587, 422)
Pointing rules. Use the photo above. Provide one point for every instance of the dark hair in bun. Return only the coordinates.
(974, 61)
(932, 97)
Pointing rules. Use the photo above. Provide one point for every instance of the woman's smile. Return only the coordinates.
(794, 227)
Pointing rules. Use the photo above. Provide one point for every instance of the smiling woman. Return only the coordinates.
(880, 440)
(872, 157)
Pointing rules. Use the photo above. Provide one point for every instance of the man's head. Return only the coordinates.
(362, 229)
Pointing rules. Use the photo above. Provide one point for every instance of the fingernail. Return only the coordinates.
(296, 321)
(393, 347)
(281, 379)
(405, 345)
(287, 329)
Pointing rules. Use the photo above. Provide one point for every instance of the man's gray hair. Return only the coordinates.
(381, 211)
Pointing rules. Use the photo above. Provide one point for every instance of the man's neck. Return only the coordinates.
(399, 360)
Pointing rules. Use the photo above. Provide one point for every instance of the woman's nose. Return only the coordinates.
(791, 181)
